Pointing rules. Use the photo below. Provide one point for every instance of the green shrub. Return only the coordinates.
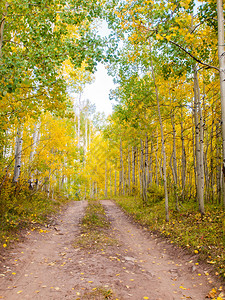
(155, 193)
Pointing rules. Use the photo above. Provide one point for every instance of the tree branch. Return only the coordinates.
(192, 56)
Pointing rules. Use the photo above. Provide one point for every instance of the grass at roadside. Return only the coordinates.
(99, 293)
(24, 209)
(203, 236)
(94, 228)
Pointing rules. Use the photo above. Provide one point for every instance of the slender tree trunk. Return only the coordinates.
(2, 25)
(78, 121)
(121, 169)
(221, 54)
(156, 160)
(86, 135)
(163, 142)
(183, 180)
(129, 168)
(143, 174)
(110, 181)
(211, 163)
(146, 164)
(133, 169)
(35, 141)
(18, 153)
(33, 152)
(124, 182)
(174, 163)
(106, 180)
(150, 164)
(218, 164)
(115, 188)
(193, 150)
(199, 143)
(137, 169)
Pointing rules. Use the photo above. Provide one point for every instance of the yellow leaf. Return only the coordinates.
(145, 297)
(212, 293)
(4, 245)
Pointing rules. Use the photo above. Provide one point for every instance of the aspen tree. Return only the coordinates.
(221, 54)
(106, 180)
(18, 153)
(174, 160)
(199, 143)
(129, 168)
(133, 168)
(162, 140)
(183, 154)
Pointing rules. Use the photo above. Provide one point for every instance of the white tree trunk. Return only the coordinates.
(121, 169)
(129, 168)
(115, 187)
(78, 121)
(183, 156)
(163, 143)
(133, 168)
(86, 135)
(174, 163)
(106, 180)
(150, 164)
(146, 164)
(199, 143)
(221, 54)
(156, 161)
(2, 24)
(35, 141)
(18, 153)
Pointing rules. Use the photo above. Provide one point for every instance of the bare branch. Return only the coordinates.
(192, 56)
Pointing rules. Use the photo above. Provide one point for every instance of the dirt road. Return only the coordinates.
(46, 265)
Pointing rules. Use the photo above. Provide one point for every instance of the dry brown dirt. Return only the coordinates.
(46, 265)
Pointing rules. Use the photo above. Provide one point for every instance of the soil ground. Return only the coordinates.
(46, 264)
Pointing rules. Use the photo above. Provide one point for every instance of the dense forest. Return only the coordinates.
(163, 147)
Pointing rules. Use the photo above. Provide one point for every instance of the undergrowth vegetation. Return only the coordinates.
(21, 208)
(94, 227)
(202, 235)
(99, 293)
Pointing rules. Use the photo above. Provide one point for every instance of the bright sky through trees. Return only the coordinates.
(98, 91)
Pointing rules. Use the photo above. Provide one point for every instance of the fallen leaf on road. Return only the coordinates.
(183, 288)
